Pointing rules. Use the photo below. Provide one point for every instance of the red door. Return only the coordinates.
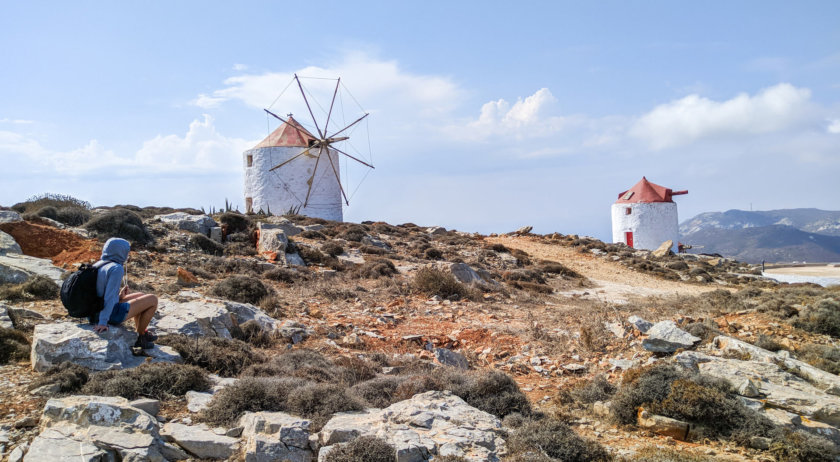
(628, 237)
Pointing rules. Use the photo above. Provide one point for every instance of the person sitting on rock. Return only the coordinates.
(119, 303)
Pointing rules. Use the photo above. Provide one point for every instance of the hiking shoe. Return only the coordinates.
(143, 342)
(151, 336)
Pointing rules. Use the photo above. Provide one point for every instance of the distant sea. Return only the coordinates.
(794, 278)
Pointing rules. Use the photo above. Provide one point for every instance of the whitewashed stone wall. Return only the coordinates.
(651, 224)
(286, 187)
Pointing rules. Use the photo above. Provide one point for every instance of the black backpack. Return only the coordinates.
(78, 292)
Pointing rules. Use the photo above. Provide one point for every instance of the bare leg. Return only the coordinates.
(142, 309)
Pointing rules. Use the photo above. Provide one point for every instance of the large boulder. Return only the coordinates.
(466, 274)
(666, 337)
(289, 228)
(8, 244)
(200, 441)
(9, 216)
(244, 312)
(18, 268)
(270, 436)
(272, 243)
(80, 344)
(95, 428)
(664, 249)
(431, 423)
(198, 318)
(5, 320)
(194, 223)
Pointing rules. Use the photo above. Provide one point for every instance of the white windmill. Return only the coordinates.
(297, 168)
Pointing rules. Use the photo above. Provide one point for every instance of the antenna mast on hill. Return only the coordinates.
(323, 142)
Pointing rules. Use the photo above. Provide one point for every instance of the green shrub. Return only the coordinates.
(431, 281)
(332, 249)
(249, 394)
(205, 244)
(242, 289)
(14, 346)
(226, 357)
(68, 376)
(235, 222)
(35, 288)
(119, 223)
(152, 380)
(363, 449)
(822, 318)
(376, 268)
(556, 441)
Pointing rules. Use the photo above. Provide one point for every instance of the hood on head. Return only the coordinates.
(116, 250)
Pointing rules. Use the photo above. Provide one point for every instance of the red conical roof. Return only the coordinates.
(646, 192)
(290, 133)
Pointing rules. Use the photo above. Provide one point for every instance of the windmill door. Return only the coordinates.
(628, 238)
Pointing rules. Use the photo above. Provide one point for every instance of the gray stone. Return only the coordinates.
(9, 216)
(244, 312)
(523, 230)
(18, 268)
(8, 244)
(148, 405)
(5, 320)
(315, 227)
(435, 422)
(289, 228)
(194, 223)
(464, 273)
(198, 401)
(665, 426)
(270, 436)
(640, 324)
(448, 357)
(193, 319)
(54, 446)
(294, 259)
(664, 249)
(107, 424)
(615, 328)
(80, 344)
(294, 331)
(17, 454)
(216, 234)
(372, 241)
(436, 230)
(666, 337)
(200, 441)
(272, 244)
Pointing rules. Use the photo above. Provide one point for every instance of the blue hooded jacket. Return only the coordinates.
(109, 278)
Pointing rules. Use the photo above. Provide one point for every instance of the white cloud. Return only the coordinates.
(16, 121)
(834, 126)
(693, 117)
(207, 102)
(239, 67)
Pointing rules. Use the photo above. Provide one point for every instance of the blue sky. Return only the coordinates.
(485, 116)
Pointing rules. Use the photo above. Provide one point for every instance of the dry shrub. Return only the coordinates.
(706, 330)
(50, 200)
(315, 257)
(550, 439)
(252, 332)
(302, 363)
(242, 289)
(557, 268)
(152, 380)
(72, 216)
(768, 343)
(522, 257)
(249, 394)
(431, 281)
(534, 287)
(319, 401)
(355, 370)
(309, 234)
(332, 249)
(494, 392)
(824, 357)
(119, 223)
(589, 391)
(655, 454)
(799, 446)
(226, 357)
(363, 449)
(821, 318)
(205, 244)
(642, 386)
(372, 250)
(499, 248)
(379, 392)
(283, 275)
(68, 376)
(375, 268)
(35, 288)
(235, 222)
(354, 233)
(523, 275)
(433, 254)
(14, 346)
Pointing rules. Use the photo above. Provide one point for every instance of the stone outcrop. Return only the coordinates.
(293, 331)
(18, 268)
(448, 357)
(80, 344)
(200, 441)
(467, 275)
(96, 428)
(244, 312)
(196, 318)
(8, 244)
(194, 223)
(270, 436)
(640, 324)
(5, 320)
(272, 242)
(9, 216)
(289, 228)
(431, 423)
(662, 425)
(666, 337)
(664, 249)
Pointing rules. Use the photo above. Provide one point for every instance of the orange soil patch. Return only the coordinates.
(64, 248)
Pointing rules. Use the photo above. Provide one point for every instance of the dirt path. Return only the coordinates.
(614, 282)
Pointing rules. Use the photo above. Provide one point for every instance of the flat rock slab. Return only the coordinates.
(200, 441)
(289, 228)
(666, 337)
(8, 244)
(185, 221)
(80, 344)
(18, 268)
(448, 357)
(244, 312)
(431, 423)
(270, 436)
(194, 318)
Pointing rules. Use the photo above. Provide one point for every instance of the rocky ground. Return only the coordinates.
(566, 317)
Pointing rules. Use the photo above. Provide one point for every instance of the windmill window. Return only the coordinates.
(311, 143)
(249, 204)
(628, 210)
(250, 160)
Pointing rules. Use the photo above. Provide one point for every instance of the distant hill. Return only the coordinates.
(809, 220)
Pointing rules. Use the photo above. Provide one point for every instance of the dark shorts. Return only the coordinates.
(119, 313)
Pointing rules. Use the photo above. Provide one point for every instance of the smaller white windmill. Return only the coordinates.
(298, 169)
